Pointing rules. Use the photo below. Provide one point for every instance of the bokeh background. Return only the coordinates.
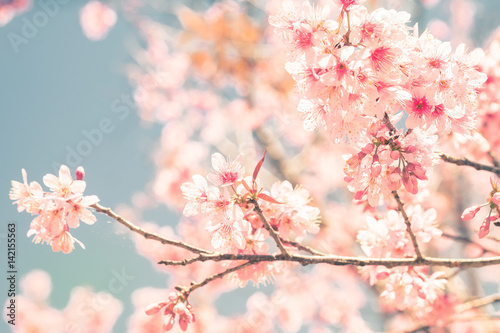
(60, 85)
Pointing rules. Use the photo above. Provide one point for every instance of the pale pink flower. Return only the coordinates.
(198, 195)
(64, 186)
(226, 172)
(64, 242)
(96, 20)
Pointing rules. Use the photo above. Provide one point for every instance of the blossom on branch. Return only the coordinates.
(57, 211)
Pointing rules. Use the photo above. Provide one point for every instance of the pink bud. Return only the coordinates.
(395, 155)
(80, 173)
(410, 149)
(470, 212)
(154, 308)
(418, 171)
(180, 308)
(169, 322)
(496, 198)
(376, 167)
(485, 228)
(368, 148)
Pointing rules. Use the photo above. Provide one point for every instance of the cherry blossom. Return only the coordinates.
(57, 211)
(96, 20)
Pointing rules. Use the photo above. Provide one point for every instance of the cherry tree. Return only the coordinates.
(332, 150)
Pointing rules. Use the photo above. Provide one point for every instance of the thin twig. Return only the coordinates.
(194, 286)
(479, 302)
(464, 161)
(269, 228)
(493, 159)
(408, 225)
(145, 234)
(469, 241)
(302, 247)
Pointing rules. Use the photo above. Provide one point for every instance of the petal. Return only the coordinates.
(87, 216)
(218, 162)
(89, 200)
(78, 186)
(51, 181)
(65, 175)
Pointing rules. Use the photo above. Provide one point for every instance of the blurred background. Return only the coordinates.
(58, 86)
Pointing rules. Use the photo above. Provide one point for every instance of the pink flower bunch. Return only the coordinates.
(96, 20)
(388, 237)
(57, 211)
(409, 288)
(363, 65)
(11, 8)
(404, 287)
(233, 222)
(385, 163)
(493, 202)
(174, 306)
(295, 216)
(489, 101)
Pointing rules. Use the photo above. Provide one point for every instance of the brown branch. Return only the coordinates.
(464, 161)
(408, 225)
(388, 124)
(204, 255)
(341, 260)
(302, 247)
(145, 234)
(479, 302)
(493, 159)
(269, 228)
(187, 290)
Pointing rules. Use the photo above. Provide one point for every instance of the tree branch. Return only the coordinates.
(269, 228)
(408, 225)
(465, 161)
(341, 260)
(145, 234)
(479, 302)
(302, 247)
(187, 290)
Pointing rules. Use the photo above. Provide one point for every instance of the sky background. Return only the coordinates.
(58, 86)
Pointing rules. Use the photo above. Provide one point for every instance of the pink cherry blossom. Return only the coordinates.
(57, 211)
(96, 20)
(226, 172)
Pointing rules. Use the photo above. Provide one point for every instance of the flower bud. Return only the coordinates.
(395, 155)
(80, 173)
(470, 212)
(496, 198)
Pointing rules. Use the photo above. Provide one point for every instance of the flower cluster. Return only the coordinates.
(386, 161)
(388, 238)
(175, 305)
(57, 211)
(365, 65)
(234, 223)
(493, 202)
